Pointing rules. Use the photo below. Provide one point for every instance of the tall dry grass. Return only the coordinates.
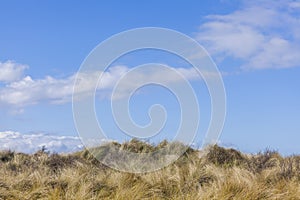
(219, 174)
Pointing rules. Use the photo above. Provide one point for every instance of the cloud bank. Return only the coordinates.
(31, 143)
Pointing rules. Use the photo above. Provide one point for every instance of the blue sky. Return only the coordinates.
(256, 46)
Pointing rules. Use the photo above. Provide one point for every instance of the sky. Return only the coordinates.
(255, 45)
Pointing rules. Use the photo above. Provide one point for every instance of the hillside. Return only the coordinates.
(219, 174)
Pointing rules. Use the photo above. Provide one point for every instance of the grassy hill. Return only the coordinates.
(219, 174)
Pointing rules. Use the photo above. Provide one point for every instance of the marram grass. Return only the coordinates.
(219, 174)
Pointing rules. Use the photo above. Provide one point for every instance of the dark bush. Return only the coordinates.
(6, 156)
(221, 156)
(264, 160)
(57, 162)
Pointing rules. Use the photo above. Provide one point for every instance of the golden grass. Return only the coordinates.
(219, 174)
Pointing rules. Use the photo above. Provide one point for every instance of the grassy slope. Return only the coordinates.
(220, 174)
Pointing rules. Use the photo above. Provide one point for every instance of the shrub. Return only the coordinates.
(224, 157)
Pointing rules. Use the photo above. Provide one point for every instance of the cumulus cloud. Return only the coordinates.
(28, 91)
(11, 71)
(262, 35)
(31, 143)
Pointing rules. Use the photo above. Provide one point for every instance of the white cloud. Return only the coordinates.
(261, 34)
(276, 53)
(295, 4)
(28, 91)
(31, 143)
(11, 71)
(233, 40)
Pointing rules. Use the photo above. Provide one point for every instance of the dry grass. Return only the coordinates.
(220, 174)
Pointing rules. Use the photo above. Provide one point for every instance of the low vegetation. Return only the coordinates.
(217, 173)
